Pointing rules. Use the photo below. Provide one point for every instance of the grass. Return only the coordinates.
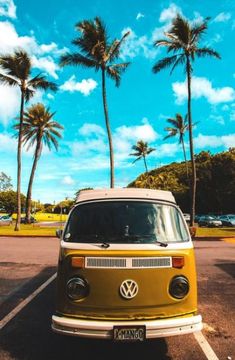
(215, 232)
(37, 230)
(28, 230)
(45, 217)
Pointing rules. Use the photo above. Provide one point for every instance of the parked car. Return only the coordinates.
(5, 220)
(186, 216)
(127, 269)
(197, 217)
(32, 220)
(228, 220)
(209, 221)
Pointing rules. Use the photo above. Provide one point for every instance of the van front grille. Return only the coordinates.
(128, 263)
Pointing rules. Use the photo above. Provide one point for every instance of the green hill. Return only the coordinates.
(215, 182)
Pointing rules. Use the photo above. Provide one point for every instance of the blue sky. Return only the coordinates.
(138, 109)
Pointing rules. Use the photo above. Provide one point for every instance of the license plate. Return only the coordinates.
(129, 333)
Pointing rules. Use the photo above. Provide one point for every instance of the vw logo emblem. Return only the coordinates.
(128, 289)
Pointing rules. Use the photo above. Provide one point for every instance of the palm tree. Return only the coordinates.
(141, 151)
(17, 70)
(179, 127)
(98, 53)
(183, 41)
(38, 128)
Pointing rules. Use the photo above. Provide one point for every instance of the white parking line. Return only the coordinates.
(205, 346)
(25, 302)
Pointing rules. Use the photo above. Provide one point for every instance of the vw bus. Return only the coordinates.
(126, 268)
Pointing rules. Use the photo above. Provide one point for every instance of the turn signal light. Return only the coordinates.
(78, 262)
(178, 262)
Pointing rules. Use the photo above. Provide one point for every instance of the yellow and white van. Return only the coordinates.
(126, 268)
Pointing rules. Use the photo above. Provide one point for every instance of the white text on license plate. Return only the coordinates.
(129, 333)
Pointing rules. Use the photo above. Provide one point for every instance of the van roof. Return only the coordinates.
(125, 193)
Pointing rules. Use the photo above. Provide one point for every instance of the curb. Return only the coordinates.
(213, 238)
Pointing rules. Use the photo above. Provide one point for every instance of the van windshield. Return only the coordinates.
(125, 222)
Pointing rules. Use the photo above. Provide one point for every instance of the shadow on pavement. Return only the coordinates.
(228, 267)
(29, 337)
(23, 288)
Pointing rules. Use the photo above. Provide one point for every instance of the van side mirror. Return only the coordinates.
(59, 233)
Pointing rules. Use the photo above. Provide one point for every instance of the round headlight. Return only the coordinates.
(77, 288)
(179, 287)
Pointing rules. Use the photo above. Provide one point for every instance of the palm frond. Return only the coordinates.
(171, 133)
(206, 51)
(162, 42)
(198, 30)
(8, 80)
(114, 49)
(17, 65)
(78, 60)
(150, 150)
(40, 82)
(180, 29)
(164, 63)
(115, 71)
(138, 158)
(173, 122)
(28, 94)
(181, 60)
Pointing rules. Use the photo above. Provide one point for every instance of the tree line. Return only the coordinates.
(215, 182)
(96, 51)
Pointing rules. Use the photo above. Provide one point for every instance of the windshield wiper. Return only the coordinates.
(160, 243)
(137, 239)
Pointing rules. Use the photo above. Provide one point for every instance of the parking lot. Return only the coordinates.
(26, 315)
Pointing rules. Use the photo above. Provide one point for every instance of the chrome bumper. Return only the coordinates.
(103, 329)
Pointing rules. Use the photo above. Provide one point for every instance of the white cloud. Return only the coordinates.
(8, 8)
(8, 143)
(96, 162)
(202, 87)
(91, 129)
(47, 48)
(125, 137)
(169, 150)
(93, 150)
(9, 104)
(46, 64)
(50, 96)
(166, 17)
(214, 141)
(135, 46)
(89, 148)
(222, 17)
(139, 16)
(143, 132)
(169, 13)
(68, 180)
(218, 118)
(11, 40)
(85, 86)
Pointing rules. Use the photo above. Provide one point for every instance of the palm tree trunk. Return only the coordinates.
(145, 163)
(185, 160)
(17, 225)
(193, 180)
(111, 159)
(30, 185)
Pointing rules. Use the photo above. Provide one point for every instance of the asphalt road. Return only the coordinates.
(27, 263)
